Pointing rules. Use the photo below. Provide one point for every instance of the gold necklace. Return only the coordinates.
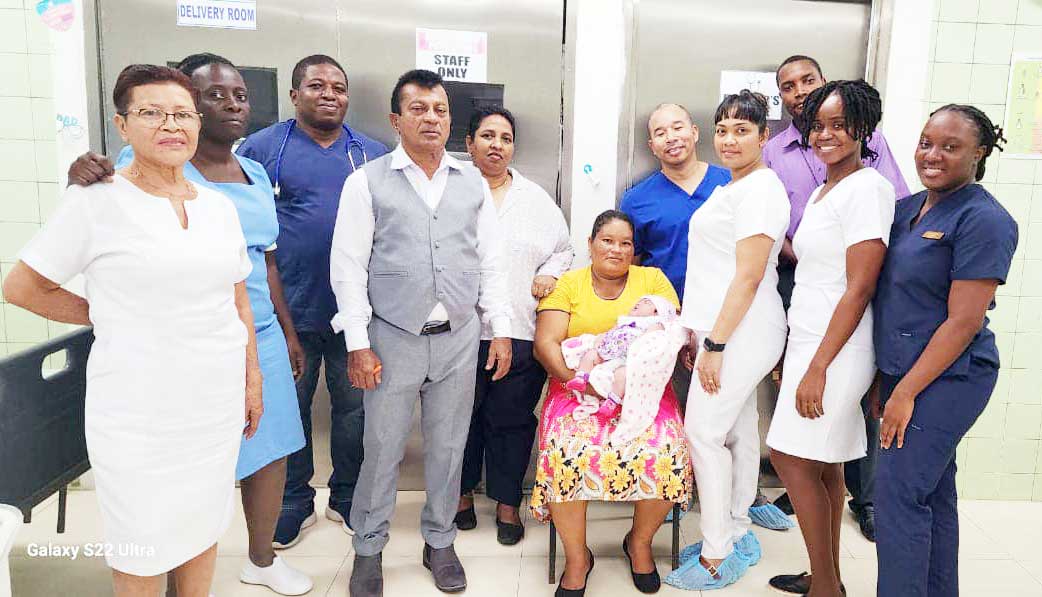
(149, 187)
(509, 177)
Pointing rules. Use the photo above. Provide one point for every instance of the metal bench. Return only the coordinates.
(42, 444)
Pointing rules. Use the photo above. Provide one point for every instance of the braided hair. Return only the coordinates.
(989, 135)
(862, 110)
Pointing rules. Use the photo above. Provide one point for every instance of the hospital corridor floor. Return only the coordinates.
(1000, 555)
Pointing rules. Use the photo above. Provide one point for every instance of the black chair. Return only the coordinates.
(674, 554)
(42, 443)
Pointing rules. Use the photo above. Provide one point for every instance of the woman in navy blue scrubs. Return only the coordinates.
(950, 247)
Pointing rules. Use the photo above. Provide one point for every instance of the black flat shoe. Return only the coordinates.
(645, 582)
(795, 584)
(466, 519)
(784, 504)
(562, 592)
(508, 533)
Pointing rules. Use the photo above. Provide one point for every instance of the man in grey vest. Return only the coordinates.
(413, 264)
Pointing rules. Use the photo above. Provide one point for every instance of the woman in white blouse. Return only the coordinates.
(537, 249)
(830, 361)
(732, 307)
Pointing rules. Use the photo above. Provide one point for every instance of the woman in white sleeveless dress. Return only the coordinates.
(829, 363)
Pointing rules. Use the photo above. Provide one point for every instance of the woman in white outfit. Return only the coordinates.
(174, 358)
(818, 423)
(732, 306)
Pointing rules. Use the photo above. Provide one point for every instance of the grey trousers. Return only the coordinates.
(438, 371)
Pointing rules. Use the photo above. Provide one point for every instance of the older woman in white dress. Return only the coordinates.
(534, 240)
(173, 379)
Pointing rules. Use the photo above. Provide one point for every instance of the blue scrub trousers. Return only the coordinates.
(347, 424)
(917, 523)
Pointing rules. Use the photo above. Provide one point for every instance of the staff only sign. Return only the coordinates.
(455, 55)
(220, 14)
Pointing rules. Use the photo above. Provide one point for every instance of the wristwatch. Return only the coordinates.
(711, 346)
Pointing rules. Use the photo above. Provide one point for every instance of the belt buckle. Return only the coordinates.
(432, 328)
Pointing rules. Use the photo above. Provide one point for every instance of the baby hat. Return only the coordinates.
(665, 309)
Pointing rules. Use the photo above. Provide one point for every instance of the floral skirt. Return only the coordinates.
(576, 461)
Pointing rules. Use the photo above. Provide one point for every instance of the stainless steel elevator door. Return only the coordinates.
(146, 31)
(680, 47)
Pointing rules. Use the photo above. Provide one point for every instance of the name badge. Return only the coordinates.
(933, 235)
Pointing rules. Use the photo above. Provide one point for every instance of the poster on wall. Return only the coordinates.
(733, 81)
(1023, 125)
(455, 55)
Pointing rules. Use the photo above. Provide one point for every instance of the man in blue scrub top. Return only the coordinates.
(661, 205)
(307, 159)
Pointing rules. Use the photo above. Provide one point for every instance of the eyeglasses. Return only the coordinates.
(155, 117)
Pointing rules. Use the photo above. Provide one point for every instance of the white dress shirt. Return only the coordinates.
(353, 245)
(535, 242)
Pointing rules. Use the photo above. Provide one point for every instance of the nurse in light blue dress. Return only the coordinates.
(261, 466)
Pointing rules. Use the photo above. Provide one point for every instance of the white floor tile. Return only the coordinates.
(997, 554)
(996, 577)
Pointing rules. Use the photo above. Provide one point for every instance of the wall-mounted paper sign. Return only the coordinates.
(733, 81)
(1024, 108)
(219, 14)
(455, 55)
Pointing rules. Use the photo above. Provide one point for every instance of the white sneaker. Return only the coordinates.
(335, 516)
(279, 577)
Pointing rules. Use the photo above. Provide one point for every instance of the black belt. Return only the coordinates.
(434, 327)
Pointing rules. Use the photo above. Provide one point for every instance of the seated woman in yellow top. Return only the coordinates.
(576, 463)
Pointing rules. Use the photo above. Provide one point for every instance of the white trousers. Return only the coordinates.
(724, 434)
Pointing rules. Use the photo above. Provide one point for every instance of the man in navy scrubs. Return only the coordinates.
(307, 159)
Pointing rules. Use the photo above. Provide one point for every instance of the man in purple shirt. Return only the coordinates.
(801, 172)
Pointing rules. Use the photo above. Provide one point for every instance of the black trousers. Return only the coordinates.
(503, 426)
(860, 475)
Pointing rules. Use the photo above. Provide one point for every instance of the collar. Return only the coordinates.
(789, 136)
(401, 160)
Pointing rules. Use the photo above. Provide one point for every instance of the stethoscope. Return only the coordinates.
(351, 142)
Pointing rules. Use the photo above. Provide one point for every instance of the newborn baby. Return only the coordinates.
(601, 360)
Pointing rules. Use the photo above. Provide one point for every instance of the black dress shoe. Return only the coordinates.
(562, 592)
(508, 533)
(784, 504)
(648, 582)
(466, 519)
(866, 519)
(446, 568)
(797, 584)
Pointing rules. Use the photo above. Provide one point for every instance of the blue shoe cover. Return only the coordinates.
(748, 548)
(771, 517)
(692, 576)
(691, 551)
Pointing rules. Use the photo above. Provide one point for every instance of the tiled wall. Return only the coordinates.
(969, 63)
(28, 158)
